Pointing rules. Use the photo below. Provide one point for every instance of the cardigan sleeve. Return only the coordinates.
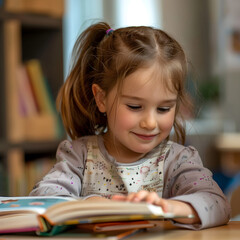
(65, 178)
(187, 180)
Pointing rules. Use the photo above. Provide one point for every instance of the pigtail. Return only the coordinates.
(75, 100)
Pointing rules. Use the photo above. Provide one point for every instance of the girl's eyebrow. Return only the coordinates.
(171, 100)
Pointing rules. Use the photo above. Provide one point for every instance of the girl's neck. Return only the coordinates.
(121, 153)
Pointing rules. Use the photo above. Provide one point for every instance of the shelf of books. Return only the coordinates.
(31, 167)
(31, 72)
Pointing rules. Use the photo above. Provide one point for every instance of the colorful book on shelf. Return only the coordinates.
(38, 82)
(35, 170)
(25, 92)
(36, 124)
(46, 214)
(44, 97)
(59, 125)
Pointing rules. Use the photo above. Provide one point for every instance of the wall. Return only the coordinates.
(191, 22)
(188, 22)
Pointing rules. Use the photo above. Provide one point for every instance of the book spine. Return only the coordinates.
(50, 124)
(15, 131)
(16, 172)
(37, 79)
(36, 169)
(25, 91)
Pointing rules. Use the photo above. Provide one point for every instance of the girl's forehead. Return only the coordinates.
(149, 77)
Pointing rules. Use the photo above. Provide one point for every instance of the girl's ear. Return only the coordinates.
(99, 96)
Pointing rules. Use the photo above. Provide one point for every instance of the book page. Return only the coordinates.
(11, 205)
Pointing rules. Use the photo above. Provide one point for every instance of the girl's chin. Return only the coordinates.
(141, 150)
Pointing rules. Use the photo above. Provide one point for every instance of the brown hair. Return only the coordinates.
(107, 59)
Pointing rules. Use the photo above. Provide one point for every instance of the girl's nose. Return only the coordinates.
(148, 122)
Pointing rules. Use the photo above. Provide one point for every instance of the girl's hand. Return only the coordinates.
(168, 205)
(96, 198)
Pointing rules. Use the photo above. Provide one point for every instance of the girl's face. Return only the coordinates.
(141, 118)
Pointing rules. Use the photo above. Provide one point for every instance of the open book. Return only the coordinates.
(43, 214)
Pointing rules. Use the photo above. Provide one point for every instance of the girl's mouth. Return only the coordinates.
(146, 137)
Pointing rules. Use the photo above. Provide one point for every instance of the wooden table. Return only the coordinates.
(165, 231)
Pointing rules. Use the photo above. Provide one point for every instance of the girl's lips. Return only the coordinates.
(146, 137)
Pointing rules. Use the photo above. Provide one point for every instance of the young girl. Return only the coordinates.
(119, 105)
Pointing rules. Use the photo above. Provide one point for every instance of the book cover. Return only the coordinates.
(23, 214)
(25, 91)
(37, 79)
(52, 126)
(52, 103)
(36, 169)
(71, 232)
(15, 172)
(115, 226)
(33, 204)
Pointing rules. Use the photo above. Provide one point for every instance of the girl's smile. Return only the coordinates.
(146, 137)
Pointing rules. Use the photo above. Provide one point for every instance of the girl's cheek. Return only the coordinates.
(168, 122)
(126, 119)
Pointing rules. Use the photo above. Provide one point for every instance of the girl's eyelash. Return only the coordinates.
(134, 107)
(163, 109)
(138, 107)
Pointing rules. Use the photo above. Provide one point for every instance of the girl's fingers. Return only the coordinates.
(165, 204)
(132, 197)
(149, 197)
(137, 197)
(119, 197)
(152, 198)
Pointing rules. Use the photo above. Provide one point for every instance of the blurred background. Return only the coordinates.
(209, 32)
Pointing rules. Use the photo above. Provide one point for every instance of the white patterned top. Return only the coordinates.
(107, 179)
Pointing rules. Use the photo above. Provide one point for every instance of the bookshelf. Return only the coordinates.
(27, 34)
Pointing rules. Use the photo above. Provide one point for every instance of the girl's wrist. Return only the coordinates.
(183, 208)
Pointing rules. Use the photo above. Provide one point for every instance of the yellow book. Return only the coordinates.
(36, 76)
(16, 172)
(40, 127)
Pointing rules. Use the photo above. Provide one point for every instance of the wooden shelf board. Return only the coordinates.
(37, 146)
(33, 20)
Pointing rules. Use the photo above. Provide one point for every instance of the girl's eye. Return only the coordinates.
(163, 109)
(134, 107)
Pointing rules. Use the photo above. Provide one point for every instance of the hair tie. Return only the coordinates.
(109, 31)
